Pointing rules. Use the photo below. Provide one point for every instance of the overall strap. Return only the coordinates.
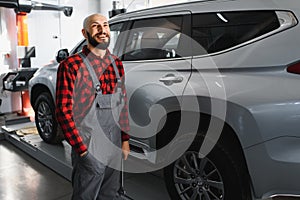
(93, 74)
(115, 68)
(91, 71)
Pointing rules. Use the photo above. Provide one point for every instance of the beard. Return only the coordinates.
(96, 44)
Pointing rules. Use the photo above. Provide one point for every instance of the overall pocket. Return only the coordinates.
(108, 108)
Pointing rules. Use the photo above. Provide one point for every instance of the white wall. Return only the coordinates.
(50, 31)
(43, 28)
(71, 26)
(131, 5)
(167, 2)
(10, 100)
(105, 6)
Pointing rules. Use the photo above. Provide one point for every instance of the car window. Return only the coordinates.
(115, 30)
(219, 31)
(155, 38)
(79, 47)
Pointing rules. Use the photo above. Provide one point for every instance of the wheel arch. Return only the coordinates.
(233, 134)
(36, 90)
(230, 142)
(42, 93)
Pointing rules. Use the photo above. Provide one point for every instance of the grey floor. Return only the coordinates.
(24, 178)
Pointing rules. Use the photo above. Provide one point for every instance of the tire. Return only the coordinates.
(212, 177)
(45, 119)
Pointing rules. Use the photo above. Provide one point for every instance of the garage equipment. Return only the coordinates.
(18, 80)
(28, 5)
(56, 157)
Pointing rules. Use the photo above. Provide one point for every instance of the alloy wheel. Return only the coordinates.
(197, 178)
(45, 119)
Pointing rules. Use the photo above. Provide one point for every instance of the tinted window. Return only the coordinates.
(155, 38)
(115, 30)
(220, 31)
(79, 47)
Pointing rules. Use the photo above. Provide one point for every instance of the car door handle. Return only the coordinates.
(169, 79)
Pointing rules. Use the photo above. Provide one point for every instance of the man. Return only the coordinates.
(90, 88)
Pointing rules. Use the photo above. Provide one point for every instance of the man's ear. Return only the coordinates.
(83, 31)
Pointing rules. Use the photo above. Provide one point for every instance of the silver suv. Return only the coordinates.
(213, 98)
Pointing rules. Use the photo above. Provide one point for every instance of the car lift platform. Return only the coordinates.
(56, 157)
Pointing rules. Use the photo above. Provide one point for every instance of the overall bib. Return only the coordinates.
(94, 175)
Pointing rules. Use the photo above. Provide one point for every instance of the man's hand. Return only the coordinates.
(125, 149)
(82, 154)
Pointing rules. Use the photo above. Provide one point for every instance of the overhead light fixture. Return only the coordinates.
(9, 3)
(28, 5)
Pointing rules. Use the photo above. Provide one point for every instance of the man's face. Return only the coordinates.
(98, 32)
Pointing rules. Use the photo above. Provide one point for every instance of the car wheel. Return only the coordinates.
(45, 119)
(212, 177)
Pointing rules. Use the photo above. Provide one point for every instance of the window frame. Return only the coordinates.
(186, 24)
(119, 45)
(281, 28)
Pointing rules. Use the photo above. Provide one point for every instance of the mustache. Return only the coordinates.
(101, 33)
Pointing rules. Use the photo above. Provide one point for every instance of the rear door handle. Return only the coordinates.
(169, 79)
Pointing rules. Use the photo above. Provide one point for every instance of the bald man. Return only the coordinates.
(91, 108)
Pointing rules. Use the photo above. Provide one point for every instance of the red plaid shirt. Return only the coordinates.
(73, 68)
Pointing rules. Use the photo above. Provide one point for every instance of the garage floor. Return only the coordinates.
(23, 177)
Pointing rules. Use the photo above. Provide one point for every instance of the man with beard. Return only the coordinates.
(91, 108)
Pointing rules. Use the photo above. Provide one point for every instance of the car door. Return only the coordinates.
(157, 65)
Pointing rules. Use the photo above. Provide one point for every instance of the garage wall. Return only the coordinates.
(50, 31)
(167, 2)
(8, 58)
(132, 5)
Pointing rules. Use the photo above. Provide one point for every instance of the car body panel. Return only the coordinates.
(46, 76)
(146, 92)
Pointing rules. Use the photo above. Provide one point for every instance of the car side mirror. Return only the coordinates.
(61, 55)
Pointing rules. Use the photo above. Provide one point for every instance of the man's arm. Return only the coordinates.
(124, 121)
(66, 76)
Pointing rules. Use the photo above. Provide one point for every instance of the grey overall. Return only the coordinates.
(94, 175)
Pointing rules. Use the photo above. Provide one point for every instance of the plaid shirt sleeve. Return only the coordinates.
(66, 76)
(124, 122)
